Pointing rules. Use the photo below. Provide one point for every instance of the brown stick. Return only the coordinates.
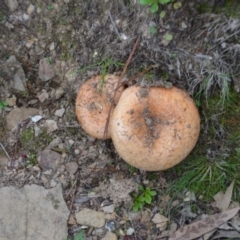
(118, 84)
(137, 75)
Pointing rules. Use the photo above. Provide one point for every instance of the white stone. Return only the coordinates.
(25, 17)
(36, 118)
(130, 231)
(52, 46)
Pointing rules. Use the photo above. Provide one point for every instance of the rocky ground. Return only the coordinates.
(47, 50)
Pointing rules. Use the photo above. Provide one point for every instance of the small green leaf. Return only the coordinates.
(177, 5)
(162, 14)
(135, 207)
(141, 199)
(148, 198)
(164, 1)
(3, 104)
(153, 30)
(141, 188)
(79, 236)
(154, 8)
(135, 195)
(147, 189)
(140, 205)
(146, 2)
(168, 37)
(153, 193)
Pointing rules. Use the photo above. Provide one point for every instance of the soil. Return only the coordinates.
(81, 39)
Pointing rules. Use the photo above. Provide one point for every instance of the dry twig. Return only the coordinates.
(118, 84)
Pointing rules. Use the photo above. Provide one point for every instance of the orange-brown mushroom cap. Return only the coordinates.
(154, 128)
(93, 104)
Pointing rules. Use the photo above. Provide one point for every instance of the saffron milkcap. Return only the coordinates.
(93, 104)
(154, 128)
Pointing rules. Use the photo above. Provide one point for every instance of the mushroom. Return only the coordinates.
(154, 128)
(94, 101)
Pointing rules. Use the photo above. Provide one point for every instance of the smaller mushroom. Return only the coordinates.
(93, 104)
(154, 128)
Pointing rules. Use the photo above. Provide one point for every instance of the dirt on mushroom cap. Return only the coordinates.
(154, 128)
(93, 103)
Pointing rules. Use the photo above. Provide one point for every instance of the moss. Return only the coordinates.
(31, 145)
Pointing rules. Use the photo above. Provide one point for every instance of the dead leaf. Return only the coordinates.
(227, 234)
(208, 235)
(226, 198)
(204, 226)
(225, 226)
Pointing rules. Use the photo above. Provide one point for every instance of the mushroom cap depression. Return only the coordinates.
(94, 102)
(154, 128)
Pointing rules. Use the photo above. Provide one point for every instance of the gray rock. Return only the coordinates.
(12, 5)
(90, 218)
(46, 70)
(43, 96)
(71, 75)
(59, 112)
(54, 143)
(51, 125)
(72, 167)
(48, 159)
(18, 84)
(33, 212)
(59, 93)
(12, 59)
(17, 115)
(109, 208)
(11, 101)
(110, 236)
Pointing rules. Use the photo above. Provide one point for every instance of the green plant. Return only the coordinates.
(153, 30)
(205, 176)
(79, 236)
(107, 65)
(3, 104)
(49, 60)
(50, 7)
(144, 196)
(153, 4)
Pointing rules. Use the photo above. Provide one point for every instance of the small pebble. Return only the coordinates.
(53, 183)
(77, 151)
(59, 112)
(11, 101)
(72, 167)
(30, 9)
(51, 125)
(43, 96)
(130, 231)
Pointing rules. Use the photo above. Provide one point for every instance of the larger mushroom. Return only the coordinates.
(94, 101)
(154, 128)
